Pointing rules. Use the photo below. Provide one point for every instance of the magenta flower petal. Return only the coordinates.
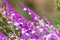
(35, 17)
(3, 37)
(29, 30)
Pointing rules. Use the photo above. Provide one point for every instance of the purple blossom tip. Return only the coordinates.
(3, 37)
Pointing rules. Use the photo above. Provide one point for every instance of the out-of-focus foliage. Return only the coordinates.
(58, 27)
(6, 27)
(29, 5)
(58, 5)
(55, 19)
(57, 22)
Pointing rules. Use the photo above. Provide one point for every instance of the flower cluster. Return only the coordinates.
(3, 37)
(39, 29)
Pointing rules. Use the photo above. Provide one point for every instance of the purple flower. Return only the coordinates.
(36, 19)
(28, 29)
(3, 37)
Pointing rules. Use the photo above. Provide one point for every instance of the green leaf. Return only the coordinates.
(58, 27)
(56, 20)
(58, 7)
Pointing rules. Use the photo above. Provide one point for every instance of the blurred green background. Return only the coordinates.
(41, 7)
